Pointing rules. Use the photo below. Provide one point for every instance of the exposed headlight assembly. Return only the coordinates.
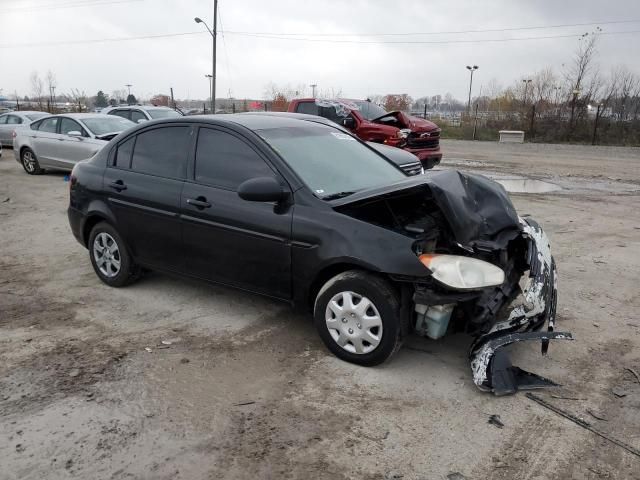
(403, 133)
(462, 273)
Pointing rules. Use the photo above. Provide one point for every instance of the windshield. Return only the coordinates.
(35, 116)
(331, 163)
(108, 124)
(162, 113)
(369, 110)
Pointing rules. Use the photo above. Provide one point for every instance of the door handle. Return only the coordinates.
(118, 185)
(61, 139)
(200, 202)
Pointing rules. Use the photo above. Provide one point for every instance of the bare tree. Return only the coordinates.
(79, 99)
(578, 72)
(52, 84)
(37, 88)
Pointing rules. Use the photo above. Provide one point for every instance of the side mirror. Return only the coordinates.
(141, 120)
(261, 189)
(348, 122)
(74, 133)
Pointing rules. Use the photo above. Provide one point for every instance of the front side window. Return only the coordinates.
(67, 125)
(224, 160)
(120, 113)
(49, 125)
(137, 115)
(330, 162)
(370, 110)
(162, 151)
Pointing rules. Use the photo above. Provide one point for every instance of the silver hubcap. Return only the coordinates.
(106, 254)
(354, 322)
(28, 161)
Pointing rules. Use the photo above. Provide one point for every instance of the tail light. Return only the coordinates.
(13, 134)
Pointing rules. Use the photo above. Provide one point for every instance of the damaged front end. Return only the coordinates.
(466, 230)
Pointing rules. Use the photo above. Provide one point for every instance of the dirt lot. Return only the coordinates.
(245, 389)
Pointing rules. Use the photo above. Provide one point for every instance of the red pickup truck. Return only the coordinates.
(372, 123)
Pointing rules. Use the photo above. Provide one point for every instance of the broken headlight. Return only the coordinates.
(462, 273)
(403, 133)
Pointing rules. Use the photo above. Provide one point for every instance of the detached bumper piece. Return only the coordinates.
(491, 367)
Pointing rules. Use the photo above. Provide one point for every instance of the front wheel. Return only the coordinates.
(30, 162)
(357, 315)
(109, 256)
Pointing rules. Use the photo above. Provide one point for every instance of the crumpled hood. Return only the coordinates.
(476, 207)
(414, 123)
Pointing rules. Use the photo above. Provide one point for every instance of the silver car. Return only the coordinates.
(141, 113)
(58, 142)
(13, 121)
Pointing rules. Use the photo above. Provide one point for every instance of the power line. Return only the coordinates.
(427, 42)
(55, 6)
(450, 32)
(252, 35)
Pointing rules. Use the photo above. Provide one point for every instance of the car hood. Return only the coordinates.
(406, 121)
(478, 210)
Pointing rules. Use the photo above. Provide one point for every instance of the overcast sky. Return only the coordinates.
(246, 64)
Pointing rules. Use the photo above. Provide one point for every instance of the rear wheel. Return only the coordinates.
(30, 162)
(357, 315)
(109, 256)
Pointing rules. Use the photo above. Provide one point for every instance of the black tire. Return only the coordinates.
(30, 163)
(384, 298)
(128, 271)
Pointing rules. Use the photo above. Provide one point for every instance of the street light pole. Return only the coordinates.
(526, 88)
(128, 85)
(471, 69)
(214, 34)
(210, 77)
(313, 89)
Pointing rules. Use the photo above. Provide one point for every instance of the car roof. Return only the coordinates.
(80, 116)
(253, 121)
(139, 107)
(23, 112)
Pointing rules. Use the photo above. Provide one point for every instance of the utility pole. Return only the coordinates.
(313, 89)
(595, 125)
(214, 34)
(471, 69)
(526, 89)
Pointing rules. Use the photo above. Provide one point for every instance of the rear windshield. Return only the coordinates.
(329, 161)
(35, 116)
(163, 113)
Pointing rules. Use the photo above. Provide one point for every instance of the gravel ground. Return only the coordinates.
(243, 388)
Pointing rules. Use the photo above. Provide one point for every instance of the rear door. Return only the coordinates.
(144, 182)
(4, 135)
(227, 239)
(45, 142)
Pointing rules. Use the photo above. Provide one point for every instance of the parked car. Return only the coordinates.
(10, 122)
(58, 142)
(373, 123)
(302, 212)
(408, 162)
(142, 113)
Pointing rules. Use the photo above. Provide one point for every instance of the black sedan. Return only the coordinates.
(304, 212)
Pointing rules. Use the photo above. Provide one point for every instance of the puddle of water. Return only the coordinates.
(527, 185)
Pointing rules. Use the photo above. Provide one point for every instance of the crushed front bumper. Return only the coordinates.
(490, 365)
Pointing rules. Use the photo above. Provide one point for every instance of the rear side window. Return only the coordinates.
(162, 151)
(3, 119)
(13, 120)
(123, 154)
(310, 108)
(223, 160)
(49, 125)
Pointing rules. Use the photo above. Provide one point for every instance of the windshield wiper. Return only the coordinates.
(335, 196)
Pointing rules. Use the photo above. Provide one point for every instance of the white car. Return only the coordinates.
(12, 121)
(141, 113)
(58, 142)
